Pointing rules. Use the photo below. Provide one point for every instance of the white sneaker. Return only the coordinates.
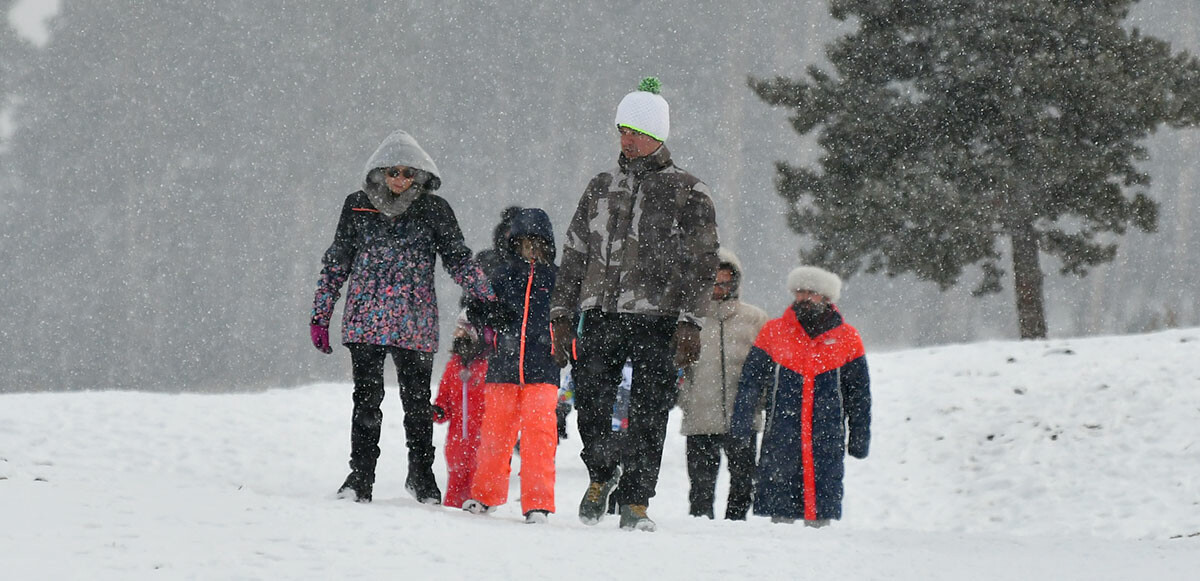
(537, 517)
(475, 507)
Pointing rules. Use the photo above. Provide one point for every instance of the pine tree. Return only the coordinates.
(954, 126)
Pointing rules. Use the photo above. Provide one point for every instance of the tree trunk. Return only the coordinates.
(1027, 275)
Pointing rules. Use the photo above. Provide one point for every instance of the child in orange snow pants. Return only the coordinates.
(521, 390)
(529, 410)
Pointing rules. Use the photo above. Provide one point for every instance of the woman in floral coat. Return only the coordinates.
(388, 237)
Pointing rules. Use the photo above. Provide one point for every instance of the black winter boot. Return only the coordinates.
(357, 487)
(421, 484)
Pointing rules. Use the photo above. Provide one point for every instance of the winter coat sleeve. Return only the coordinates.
(565, 300)
(856, 393)
(335, 269)
(698, 267)
(756, 375)
(456, 257)
(497, 313)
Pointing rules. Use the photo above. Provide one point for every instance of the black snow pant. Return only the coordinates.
(414, 369)
(704, 462)
(606, 342)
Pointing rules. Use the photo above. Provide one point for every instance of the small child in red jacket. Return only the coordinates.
(460, 402)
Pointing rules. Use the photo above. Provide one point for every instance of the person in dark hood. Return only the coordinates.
(501, 251)
(388, 238)
(811, 367)
(521, 390)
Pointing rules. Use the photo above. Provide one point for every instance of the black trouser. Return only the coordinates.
(414, 369)
(704, 462)
(606, 342)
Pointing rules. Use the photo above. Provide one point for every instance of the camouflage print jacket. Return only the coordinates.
(643, 240)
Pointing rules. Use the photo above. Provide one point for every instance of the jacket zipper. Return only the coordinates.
(774, 407)
(724, 380)
(465, 375)
(525, 322)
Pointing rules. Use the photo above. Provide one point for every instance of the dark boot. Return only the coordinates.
(366, 420)
(422, 485)
(357, 487)
(414, 370)
(741, 453)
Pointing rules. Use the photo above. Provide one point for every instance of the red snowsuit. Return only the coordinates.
(464, 411)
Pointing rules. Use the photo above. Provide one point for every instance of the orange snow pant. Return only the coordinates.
(509, 409)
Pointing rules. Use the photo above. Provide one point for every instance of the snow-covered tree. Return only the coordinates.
(952, 127)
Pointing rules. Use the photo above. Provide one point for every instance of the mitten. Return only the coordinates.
(687, 344)
(320, 338)
(564, 340)
(858, 445)
(439, 414)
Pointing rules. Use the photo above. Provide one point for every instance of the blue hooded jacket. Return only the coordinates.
(521, 313)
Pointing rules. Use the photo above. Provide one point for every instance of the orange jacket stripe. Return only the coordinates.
(806, 449)
(525, 323)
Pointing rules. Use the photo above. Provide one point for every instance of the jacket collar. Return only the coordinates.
(657, 161)
(722, 310)
(830, 321)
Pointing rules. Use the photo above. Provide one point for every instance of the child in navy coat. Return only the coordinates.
(521, 390)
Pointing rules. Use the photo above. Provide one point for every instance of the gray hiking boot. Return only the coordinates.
(595, 500)
(817, 524)
(633, 517)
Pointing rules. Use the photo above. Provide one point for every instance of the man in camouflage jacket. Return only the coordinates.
(638, 266)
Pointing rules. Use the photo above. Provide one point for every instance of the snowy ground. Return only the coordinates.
(1062, 459)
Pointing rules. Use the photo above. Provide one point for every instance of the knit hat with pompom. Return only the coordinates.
(645, 111)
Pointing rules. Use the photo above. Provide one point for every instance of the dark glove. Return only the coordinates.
(564, 340)
(320, 338)
(858, 446)
(687, 344)
(439, 414)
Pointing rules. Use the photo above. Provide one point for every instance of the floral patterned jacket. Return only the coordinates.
(389, 263)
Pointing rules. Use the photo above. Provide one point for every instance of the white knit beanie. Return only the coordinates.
(818, 280)
(645, 111)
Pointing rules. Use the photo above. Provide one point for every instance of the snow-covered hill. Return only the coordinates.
(1060, 459)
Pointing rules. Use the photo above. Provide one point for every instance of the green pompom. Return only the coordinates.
(651, 85)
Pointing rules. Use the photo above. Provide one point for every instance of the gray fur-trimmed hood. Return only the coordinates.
(400, 148)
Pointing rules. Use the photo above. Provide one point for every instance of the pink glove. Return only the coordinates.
(320, 338)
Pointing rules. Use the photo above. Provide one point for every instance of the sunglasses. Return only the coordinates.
(408, 173)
